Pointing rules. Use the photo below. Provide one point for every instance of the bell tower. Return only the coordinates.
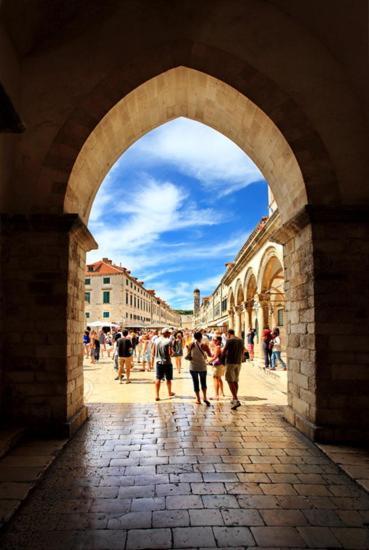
(196, 301)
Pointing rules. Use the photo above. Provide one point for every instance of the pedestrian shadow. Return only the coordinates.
(252, 398)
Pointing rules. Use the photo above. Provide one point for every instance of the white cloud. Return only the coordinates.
(145, 215)
(200, 152)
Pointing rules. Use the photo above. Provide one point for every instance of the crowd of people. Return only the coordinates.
(222, 352)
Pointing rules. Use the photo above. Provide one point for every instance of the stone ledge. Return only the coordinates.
(320, 214)
(44, 223)
(73, 425)
(21, 470)
(353, 461)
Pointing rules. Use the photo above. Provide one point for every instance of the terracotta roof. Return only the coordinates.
(103, 268)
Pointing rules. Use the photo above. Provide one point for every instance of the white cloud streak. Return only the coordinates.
(200, 152)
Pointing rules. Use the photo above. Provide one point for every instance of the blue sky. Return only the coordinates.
(177, 205)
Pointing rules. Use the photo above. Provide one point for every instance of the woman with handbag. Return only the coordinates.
(218, 367)
(197, 355)
(178, 350)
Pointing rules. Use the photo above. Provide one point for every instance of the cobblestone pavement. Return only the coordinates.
(173, 475)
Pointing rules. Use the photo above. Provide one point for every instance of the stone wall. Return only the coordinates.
(327, 296)
(43, 268)
(341, 258)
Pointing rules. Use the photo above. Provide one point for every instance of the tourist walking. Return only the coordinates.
(146, 352)
(276, 350)
(134, 340)
(102, 340)
(218, 367)
(116, 335)
(125, 350)
(197, 354)
(162, 352)
(86, 343)
(250, 342)
(95, 347)
(232, 358)
(178, 350)
(267, 346)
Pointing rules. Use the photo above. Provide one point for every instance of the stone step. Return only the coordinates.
(21, 467)
(9, 438)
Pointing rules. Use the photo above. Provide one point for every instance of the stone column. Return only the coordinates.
(326, 255)
(43, 263)
(231, 318)
(264, 301)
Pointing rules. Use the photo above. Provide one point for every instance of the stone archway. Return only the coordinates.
(272, 129)
(240, 310)
(199, 96)
(271, 291)
(270, 273)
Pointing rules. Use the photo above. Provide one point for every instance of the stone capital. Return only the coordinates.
(320, 214)
(68, 224)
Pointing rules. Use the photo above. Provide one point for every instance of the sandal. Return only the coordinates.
(207, 403)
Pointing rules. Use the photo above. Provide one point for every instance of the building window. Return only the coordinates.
(106, 314)
(88, 297)
(126, 298)
(130, 300)
(87, 314)
(280, 317)
(106, 297)
(126, 314)
(87, 281)
(130, 315)
(134, 301)
(131, 284)
(106, 281)
(90, 268)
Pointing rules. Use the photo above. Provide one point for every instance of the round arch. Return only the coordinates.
(239, 293)
(269, 263)
(249, 285)
(230, 300)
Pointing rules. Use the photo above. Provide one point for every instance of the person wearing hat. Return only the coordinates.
(162, 353)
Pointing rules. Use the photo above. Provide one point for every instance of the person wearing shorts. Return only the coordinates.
(163, 351)
(218, 368)
(125, 350)
(232, 358)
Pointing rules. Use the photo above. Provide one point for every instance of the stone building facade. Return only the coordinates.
(113, 294)
(251, 292)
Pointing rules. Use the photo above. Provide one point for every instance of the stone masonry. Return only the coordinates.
(43, 276)
(326, 259)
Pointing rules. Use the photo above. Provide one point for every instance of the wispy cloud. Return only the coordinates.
(160, 209)
(144, 215)
(200, 152)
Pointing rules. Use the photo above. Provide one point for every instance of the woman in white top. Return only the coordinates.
(276, 350)
(198, 366)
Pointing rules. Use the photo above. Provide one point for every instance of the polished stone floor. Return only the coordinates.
(177, 475)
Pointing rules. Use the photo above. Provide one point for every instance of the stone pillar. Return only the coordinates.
(231, 318)
(326, 254)
(264, 301)
(238, 323)
(43, 262)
